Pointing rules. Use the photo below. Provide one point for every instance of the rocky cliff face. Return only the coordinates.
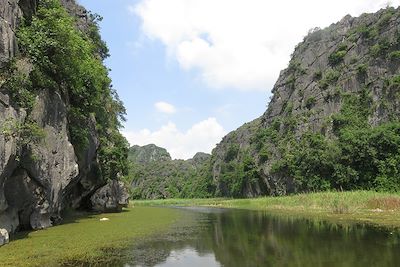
(155, 175)
(353, 57)
(10, 15)
(39, 177)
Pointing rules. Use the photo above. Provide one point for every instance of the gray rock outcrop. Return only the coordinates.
(10, 15)
(110, 198)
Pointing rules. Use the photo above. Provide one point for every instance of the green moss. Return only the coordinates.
(85, 241)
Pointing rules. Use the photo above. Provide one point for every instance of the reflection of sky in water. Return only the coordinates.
(186, 257)
(189, 257)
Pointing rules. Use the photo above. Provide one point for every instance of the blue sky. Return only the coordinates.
(189, 71)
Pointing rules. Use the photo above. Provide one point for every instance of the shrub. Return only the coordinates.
(27, 132)
(264, 154)
(367, 32)
(329, 78)
(232, 152)
(385, 18)
(394, 81)
(317, 75)
(380, 49)
(310, 102)
(337, 57)
(362, 69)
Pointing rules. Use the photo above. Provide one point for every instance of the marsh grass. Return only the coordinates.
(84, 240)
(357, 206)
(385, 203)
(332, 201)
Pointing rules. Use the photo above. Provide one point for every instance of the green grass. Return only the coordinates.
(346, 207)
(87, 241)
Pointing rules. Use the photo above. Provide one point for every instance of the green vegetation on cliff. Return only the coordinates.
(358, 156)
(56, 55)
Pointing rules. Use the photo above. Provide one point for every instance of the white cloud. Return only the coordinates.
(201, 137)
(165, 107)
(240, 44)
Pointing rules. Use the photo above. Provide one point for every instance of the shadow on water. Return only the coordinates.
(218, 237)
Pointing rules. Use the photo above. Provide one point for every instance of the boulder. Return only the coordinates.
(110, 198)
(4, 237)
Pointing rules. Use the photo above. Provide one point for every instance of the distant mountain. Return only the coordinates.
(148, 153)
(155, 175)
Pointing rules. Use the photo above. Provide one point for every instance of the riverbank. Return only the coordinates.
(85, 240)
(382, 209)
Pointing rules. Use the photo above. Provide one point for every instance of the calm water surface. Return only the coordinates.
(239, 238)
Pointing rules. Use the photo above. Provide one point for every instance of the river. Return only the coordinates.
(238, 238)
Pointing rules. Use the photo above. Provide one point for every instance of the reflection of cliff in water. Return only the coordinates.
(246, 238)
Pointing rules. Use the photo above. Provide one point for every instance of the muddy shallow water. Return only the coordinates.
(220, 237)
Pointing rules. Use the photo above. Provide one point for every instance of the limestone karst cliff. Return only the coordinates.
(56, 147)
(330, 107)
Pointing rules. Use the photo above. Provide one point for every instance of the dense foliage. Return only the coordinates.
(69, 59)
(170, 179)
